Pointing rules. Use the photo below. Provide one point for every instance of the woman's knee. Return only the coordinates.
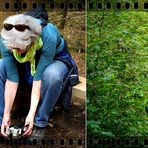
(55, 73)
(2, 69)
(1, 64)
(52, 77)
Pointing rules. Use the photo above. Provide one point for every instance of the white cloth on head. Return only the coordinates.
(20, 39)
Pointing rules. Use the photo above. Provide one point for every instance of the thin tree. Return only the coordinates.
(62, 24)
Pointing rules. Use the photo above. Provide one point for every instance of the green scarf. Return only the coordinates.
(30, 54)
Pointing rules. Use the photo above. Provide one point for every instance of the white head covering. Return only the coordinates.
(17, 39)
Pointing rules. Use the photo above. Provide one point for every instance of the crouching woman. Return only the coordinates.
(37, 54)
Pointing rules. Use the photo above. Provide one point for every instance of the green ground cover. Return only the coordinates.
(117, 73)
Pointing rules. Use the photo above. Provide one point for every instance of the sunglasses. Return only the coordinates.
(19, 27)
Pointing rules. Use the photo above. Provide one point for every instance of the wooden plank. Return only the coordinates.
(80, 89)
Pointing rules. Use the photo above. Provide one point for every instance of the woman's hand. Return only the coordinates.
(28, 125)
(5, 124)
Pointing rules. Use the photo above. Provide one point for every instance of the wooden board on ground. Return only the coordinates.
(80, 89)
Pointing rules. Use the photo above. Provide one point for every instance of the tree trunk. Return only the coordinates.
(62, 24)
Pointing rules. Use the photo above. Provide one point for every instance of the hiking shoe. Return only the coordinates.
(38, 135)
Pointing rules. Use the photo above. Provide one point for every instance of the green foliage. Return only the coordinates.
(117, 74)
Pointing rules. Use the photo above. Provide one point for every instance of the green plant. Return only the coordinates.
(117, 73)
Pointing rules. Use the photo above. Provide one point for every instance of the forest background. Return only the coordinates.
(117, 72)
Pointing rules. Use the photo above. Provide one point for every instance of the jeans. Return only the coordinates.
(51, 86)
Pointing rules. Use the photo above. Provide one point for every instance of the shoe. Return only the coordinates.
(38, 135)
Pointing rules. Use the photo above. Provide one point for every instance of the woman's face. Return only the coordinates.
(20, 51)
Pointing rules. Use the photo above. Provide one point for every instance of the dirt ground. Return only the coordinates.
(69, 127)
